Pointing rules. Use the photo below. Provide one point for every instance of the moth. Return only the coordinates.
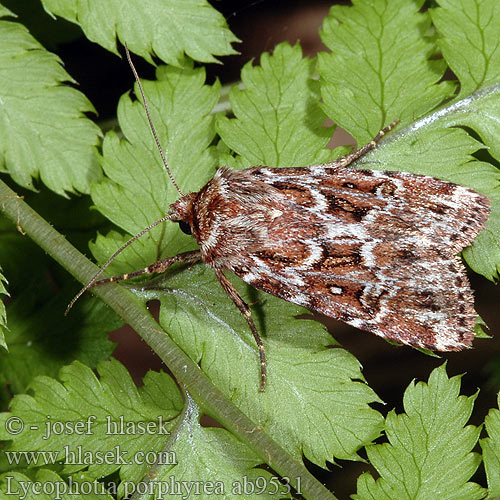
(375, 249)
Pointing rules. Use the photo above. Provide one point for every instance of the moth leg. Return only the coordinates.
(244, 309)
(158, 267)
(351, 157)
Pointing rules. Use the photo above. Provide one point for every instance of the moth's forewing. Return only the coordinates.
(375, 249)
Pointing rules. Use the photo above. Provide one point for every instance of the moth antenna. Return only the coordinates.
(108, 262)
(151, 126)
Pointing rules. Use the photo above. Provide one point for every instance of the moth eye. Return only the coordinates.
(185, 227)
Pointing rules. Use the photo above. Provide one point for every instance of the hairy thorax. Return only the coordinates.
(232, 211)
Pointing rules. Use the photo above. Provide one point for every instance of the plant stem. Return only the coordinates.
(187, 373)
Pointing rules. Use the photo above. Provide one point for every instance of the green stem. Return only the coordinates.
(187, 373)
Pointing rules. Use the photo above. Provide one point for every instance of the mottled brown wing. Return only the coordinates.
(375, 249)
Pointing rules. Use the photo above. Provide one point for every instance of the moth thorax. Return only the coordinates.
(182, 209)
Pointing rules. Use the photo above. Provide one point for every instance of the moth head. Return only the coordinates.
(181, 212)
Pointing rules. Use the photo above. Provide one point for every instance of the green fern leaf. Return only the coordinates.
(40, 117)
(168, 28)
(491, 451)
(429, 450)
(468, 32)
